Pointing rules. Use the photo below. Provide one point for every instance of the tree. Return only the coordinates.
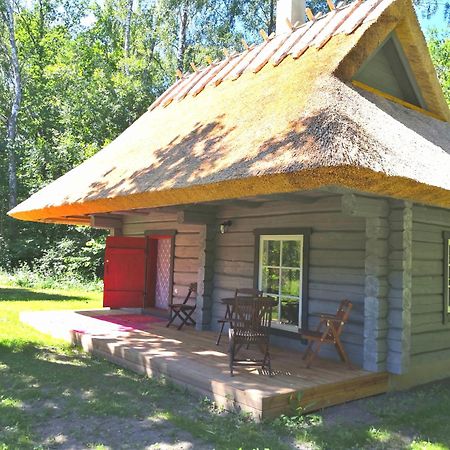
(439, 45)
(16, 88)
(182, 33)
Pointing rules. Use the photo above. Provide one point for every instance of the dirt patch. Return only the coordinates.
(354, 413)
(76, 433)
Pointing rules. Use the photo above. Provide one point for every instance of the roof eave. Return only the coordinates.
(356, 178)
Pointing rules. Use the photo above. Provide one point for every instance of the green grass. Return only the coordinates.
(43, 380)
(53, 395)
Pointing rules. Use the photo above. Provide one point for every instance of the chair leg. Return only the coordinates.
(190, 319)
(187, 318)
(308, 349)
(313, 354)
(220, 333)
(174, 315)
(231, 351)
(342, 353)
(267, 362)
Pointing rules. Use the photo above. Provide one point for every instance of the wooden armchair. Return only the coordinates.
(183, 310)
(244, 292)
(252, 318)
(328, 331)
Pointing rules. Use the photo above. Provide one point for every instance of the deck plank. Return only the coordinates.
(191, 359)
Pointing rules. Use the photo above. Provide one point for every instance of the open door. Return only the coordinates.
(159, 271)
(125, 272)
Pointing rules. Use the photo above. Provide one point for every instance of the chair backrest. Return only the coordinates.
(343, 313)
(248, 292)
(192, 289)
(252, 318)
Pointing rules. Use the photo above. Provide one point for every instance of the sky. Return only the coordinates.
(436, 21)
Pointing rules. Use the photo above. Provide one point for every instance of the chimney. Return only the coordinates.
(293, 10)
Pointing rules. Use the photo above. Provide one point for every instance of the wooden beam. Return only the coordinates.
(105, 222)
(195, 217)
(361, 206)
(137, 212)
(246, 204)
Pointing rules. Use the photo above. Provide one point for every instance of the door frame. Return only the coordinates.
(155, 235)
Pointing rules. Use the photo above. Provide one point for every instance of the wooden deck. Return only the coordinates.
(191, 359)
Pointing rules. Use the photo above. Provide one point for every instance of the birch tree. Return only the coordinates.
(182, 34)
(16, 98)
(127, 34)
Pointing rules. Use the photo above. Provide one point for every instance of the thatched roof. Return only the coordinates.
(274, 125)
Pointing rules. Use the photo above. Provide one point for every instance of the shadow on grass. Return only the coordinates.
(28, 295)
(68, 392)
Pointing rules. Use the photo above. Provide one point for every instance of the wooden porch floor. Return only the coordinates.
(191, 359)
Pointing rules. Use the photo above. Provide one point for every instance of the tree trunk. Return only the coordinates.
(127, 29)
(271, 26)
(182, 32)
(127, 33)
(15, 106)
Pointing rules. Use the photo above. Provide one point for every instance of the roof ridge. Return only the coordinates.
(344, 18)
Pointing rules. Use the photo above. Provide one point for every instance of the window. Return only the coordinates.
(282, 275)
(446, 275)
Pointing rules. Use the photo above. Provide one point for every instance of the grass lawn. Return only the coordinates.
(56, 396)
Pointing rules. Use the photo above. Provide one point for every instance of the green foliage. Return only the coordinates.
(439, 45)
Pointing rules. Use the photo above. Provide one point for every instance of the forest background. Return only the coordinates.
(75, 73)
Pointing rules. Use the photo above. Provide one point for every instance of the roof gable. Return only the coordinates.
(398, 25)
(388, 70)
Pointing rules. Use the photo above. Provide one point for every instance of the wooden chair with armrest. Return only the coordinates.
(252, 318)
(184, 310)
(328, 331)
(243, 292)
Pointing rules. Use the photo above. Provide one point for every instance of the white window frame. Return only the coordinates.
(283, 237)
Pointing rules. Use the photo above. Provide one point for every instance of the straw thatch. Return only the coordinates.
(298, 125)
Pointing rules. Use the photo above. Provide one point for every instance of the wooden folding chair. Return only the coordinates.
(328, 331)
(252, 318)
(244, 292)
(183, 310)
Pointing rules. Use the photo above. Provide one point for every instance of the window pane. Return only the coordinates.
(290, 282)
(275, 317)
(289, 311)
(291, 254)
(271, 253)
(271, 280)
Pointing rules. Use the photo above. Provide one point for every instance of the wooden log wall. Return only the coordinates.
(400, 283)
(430, 336)
(336, 259)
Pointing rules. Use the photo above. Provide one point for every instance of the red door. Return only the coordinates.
(125, 272)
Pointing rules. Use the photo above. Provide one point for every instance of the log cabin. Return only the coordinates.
(330, 142)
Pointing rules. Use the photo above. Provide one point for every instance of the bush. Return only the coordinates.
(26, 277)
(5, 254)
(66, 264)
(67, 260)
